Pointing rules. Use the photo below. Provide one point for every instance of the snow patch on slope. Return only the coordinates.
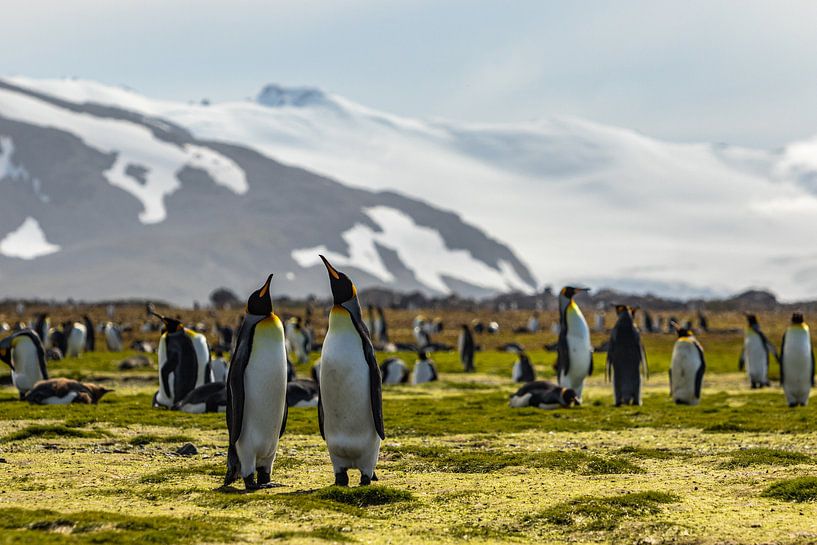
(133, 145)
(421, 249)
(27, 241)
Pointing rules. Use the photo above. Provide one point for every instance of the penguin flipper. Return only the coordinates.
(782, 357)
(699, 376)
(375, 379)
(320, 416)
(742, 360)
(235, 393)
(812, 366)
(284, 420)
(375, 389)
(590, 371)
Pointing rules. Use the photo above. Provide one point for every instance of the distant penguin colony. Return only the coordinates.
(575, 353)
(260, 384)
(350, 411)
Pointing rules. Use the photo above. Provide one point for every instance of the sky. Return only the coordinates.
(739, 71)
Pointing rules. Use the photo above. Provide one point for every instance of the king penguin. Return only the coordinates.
(183, 364)
(465, 347)
(256, 393)
(24, 353)
(756, 352)
(626, 359)
(797, 362)
(687, 368)
(574, 362)
(350, 410)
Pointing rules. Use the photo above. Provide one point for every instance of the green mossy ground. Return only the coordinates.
(458, 465)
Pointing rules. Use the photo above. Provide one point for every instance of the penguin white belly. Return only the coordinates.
(516, 374)
(307, 403)
(202, 355)
(346, 398)
(684, 367)
(265, 388)
(797, 365)
(756, 358)
(422, 373)
(113, 340)
(56, 400)
(26, 364)
(218, 371)
(579, 350)
(161, 398)
(517, 402)
(76, 341)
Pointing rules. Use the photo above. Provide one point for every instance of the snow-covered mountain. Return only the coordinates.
(99, 201)
(578, 202)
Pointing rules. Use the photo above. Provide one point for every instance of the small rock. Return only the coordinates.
(3, 461)
(188, 449)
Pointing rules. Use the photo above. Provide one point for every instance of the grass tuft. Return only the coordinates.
(363, 496)
(87, 527)
(50, 431)
(764, 456)
(595, 513)
(801, 489)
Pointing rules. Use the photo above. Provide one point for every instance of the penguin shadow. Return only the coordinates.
(232, 490)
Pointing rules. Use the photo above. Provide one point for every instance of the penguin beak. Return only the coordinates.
(265, 289)
(582, 290)
(332, 272)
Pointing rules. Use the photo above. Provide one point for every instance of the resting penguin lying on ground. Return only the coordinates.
(208, 398)
(302, 393)
(394, 371)
(62, 391)
(543, 395)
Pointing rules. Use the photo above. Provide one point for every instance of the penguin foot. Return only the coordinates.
(365, 480)
(374, 476)
(793, 404)
(249, 482)
(263, 476)
(342, 478)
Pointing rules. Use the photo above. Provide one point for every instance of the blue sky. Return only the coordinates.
(738, 71)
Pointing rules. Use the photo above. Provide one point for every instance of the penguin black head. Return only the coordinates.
(342, 287)
(681, 331)
(797, 318)
(96, 392)
(260, 301)
(422, 355)
(172, 325)
(752, 319)
(570, 291)
(622, 308)
(569, 397)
